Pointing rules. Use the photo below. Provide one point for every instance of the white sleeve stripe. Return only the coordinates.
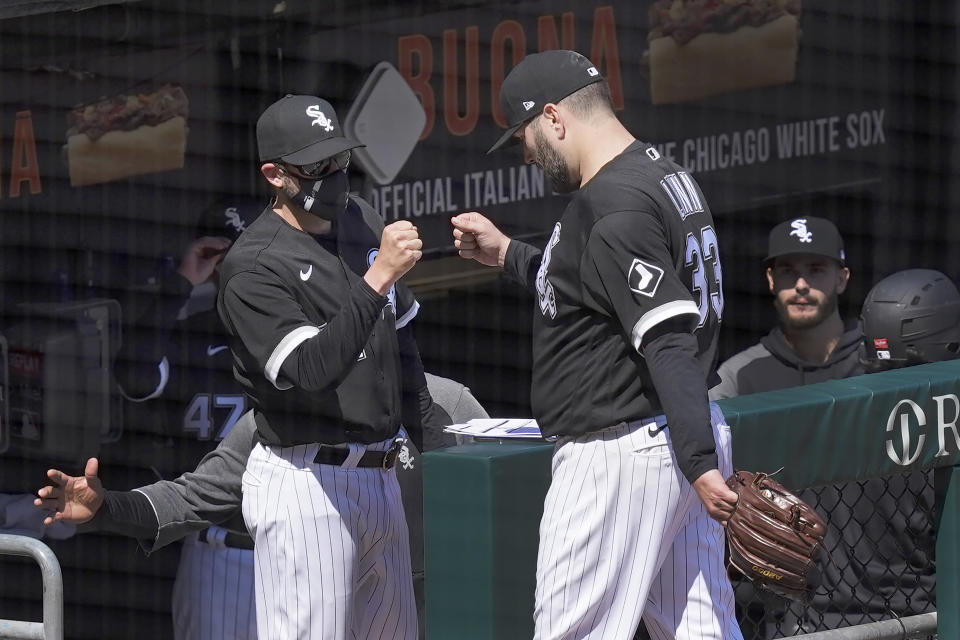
(655, 316)
(290, 342)
(164, 368)
(409, 315)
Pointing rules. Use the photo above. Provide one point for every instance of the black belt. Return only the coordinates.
(234, 540)
(380, 459)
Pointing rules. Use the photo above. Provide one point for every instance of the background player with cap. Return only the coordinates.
(806, 272)
(629, 302)
(321, 344)
(176, 372)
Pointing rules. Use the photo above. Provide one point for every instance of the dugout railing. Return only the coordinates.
(51, 628)
(919, 627)
(483, 501)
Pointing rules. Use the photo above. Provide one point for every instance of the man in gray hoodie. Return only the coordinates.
(806, 272)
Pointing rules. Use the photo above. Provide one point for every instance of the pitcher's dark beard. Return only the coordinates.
(552, 163)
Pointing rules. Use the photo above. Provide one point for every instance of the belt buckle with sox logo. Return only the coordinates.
(398, 452)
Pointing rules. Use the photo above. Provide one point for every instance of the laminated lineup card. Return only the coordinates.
(497, 428)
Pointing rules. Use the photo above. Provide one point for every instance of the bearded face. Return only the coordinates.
(798, 312)
(552, 163)
(806, 289)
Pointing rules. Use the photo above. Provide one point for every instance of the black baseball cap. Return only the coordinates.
(228, 217)
(806, 234)
(539, 79)
(300, 130)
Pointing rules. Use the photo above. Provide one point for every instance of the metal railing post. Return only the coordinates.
(919, 626)
(52, 626)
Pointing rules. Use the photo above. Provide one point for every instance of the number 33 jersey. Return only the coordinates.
(636, 246)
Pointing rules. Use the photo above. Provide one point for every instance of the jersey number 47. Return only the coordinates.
(200, 414)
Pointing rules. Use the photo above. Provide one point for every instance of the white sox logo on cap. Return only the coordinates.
(319, 117)
(807, 234)
(232, 214)
(799, 227)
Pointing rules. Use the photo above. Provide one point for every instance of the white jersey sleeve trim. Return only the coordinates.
(655, 316)
(164, 368)
(409, 315)
(290, 342)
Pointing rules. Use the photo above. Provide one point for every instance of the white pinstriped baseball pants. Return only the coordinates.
(332, 557)
(213, 593)
(624, 535)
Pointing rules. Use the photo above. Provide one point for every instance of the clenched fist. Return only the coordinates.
(716, 496)
(477, 238)
(400, 248)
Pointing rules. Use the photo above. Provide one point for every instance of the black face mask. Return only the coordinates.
(326, 197)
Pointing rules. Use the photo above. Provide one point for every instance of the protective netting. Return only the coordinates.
(880, 540)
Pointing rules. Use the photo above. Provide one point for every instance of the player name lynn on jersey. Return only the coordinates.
(627, 185)
(701, 249)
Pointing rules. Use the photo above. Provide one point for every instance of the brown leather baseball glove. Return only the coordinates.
(775, 538)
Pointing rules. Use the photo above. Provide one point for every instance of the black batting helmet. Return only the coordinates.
(911, 317)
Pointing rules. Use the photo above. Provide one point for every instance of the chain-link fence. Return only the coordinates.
(880, 561)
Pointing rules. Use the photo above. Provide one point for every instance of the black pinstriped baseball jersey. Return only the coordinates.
(281, 287)
(635, 246)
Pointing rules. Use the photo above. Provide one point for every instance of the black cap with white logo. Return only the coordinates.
(300, 130)
(808, 234)
(228, 217)
(539, 79)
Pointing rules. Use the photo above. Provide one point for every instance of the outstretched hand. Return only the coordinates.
(72, 499)
(478, 238)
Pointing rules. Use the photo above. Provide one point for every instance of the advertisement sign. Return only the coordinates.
(761, 102)
(758, 104)
(103, 165)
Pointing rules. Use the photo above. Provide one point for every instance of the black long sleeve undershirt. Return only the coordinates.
(670, 352)
(127, 513)
(419, 411)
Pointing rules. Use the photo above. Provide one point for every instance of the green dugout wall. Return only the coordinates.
(483, 501)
